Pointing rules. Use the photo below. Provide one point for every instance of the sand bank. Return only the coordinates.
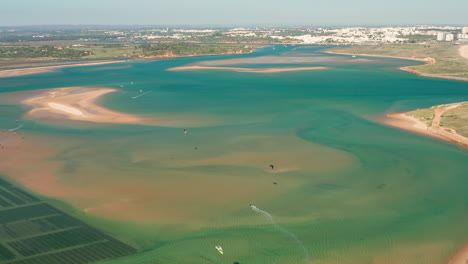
(77, 103)
(36, 70)
(410, 123)
(461, 257)
(254, 70)
(428, 60)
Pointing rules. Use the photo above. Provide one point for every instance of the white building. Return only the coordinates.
(441, 36)
(465, 30)
(449, 37)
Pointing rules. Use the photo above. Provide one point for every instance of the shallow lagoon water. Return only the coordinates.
(350, 189)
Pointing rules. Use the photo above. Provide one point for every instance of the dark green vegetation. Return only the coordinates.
(100, 51)
(41, 52)
(32, 231)
(184, 49)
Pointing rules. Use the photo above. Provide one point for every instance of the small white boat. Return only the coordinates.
(220, 249)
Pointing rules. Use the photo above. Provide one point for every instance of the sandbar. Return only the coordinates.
(461, 257)
(37, 70)
(77, 103)
(253, 70)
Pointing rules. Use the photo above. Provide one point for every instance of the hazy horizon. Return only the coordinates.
(232, 13)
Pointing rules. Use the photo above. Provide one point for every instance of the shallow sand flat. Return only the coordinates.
(77, 103)
(128, 198)
(36, 70)
(133, 191)
(461, 257)
(253, 70)
(282, 60)
(66, 109)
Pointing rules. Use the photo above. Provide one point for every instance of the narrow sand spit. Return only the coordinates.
(410, 123)
(36, 70)
(253, 70)
(77, 103)
(461, 257)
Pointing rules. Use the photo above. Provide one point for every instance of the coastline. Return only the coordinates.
(427, 61)
(6, 73)
(78, 104)
(252, 70)
(461, 257)
(37, 70)
(412, 124)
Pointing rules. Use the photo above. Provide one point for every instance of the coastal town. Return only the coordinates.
(292, 35)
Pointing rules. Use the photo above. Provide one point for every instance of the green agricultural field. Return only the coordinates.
(109, 51)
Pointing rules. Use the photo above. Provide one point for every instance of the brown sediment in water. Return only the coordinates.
(33, 162)
(79, 104)
(410, 123)
(252, 70)
(164, 193)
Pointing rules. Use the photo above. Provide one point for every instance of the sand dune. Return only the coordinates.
(77, 103)
(253, 70)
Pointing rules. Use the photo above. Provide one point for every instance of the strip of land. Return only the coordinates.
(461, 257)
(36, 70)
(253, 70)
(77, 103)
(464, 51)
(442, 61)
(445, 122)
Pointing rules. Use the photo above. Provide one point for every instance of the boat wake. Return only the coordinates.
(135, 97)
(16, 128)
(269, 217)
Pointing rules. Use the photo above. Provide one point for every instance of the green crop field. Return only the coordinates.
(32, 231)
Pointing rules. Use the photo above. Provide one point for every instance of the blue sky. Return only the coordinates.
(233, 12)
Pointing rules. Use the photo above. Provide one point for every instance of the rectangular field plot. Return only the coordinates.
(32, 231)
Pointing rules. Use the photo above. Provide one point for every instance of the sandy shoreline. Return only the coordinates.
(77, 103)
(253, 70)
(412, 124)
(428, 61)
(36, 70)
(461, 257)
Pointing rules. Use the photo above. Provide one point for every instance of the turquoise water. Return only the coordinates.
(350, 189)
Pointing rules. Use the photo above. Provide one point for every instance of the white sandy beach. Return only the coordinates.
(77, 103)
